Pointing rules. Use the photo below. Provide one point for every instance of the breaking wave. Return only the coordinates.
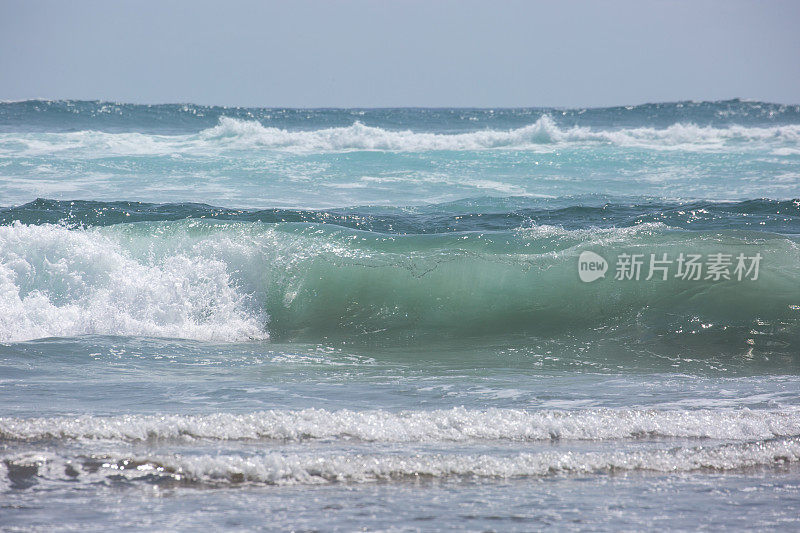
(237, 281)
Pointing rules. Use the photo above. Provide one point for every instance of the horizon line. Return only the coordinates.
(383, 107)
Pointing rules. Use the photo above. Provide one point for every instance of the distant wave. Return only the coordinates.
(543, 132)
(236, 134)
(75, 115)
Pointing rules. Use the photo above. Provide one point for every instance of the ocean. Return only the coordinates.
(399, 319)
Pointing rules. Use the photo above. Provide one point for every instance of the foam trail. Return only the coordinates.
(453, 425)
(276, 468)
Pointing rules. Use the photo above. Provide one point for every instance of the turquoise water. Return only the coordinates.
(334, 319)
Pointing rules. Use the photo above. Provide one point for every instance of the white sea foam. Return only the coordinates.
(319, 468)
(544, 131)
(453, 425)
(235, 134)
(592, 235)
(60, 282)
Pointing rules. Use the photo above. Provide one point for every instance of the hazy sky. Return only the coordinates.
(400, 53)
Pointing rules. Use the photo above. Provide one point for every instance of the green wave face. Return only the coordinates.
(316, 282)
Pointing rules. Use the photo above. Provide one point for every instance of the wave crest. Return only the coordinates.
(544, 134)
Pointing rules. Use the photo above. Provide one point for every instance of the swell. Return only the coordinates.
(473, 214)
(235, 281)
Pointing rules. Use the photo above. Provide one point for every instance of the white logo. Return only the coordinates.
(631, 266)
(591, 266)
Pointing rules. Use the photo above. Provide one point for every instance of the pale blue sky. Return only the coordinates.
(401, 53)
